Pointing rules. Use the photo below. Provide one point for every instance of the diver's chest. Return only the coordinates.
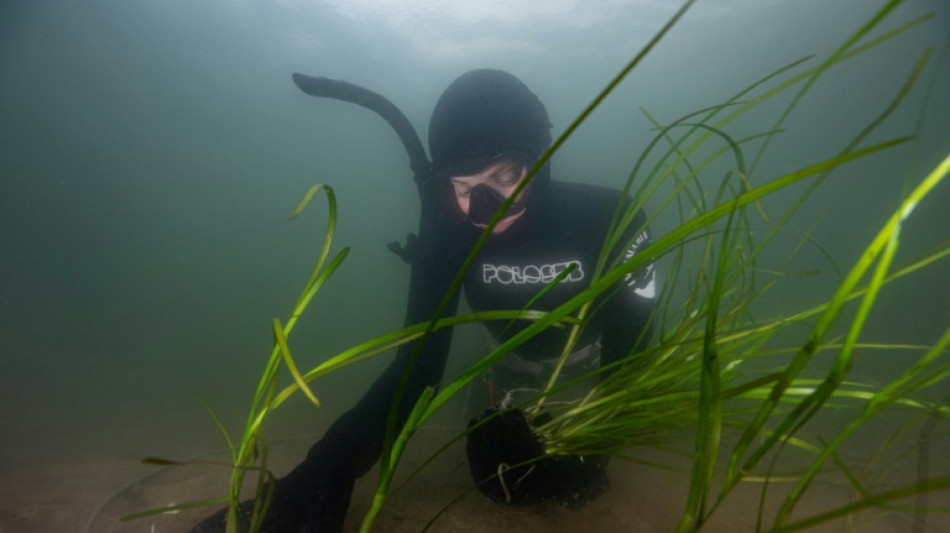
(510, 278)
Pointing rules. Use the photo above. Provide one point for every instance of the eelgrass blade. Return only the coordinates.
(911, 379)
(709, 423)
(848, 474)
(173, 508)
(281, 342)
(317, 281)
(224, 431)
(260, 393)
(264, 493)
(821, 249)
(327, 240)
(159, 461)
(397, 338)
(875, 500)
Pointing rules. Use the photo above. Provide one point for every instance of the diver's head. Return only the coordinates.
(487, 129)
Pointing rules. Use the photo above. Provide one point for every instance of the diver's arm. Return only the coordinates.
(364, 425)
(317, 491)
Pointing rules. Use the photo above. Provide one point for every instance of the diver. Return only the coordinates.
(486, 131)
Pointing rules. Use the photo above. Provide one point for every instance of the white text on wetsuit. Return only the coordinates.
(644, 280)
(508, 274)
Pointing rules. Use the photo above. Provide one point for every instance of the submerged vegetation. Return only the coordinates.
(693, 386)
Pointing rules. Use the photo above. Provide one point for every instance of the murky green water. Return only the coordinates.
(150, 153)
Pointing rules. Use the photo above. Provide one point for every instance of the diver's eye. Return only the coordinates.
(508, 176)
(508, 179)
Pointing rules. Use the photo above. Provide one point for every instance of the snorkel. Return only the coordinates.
(418, 161)
(361, 96)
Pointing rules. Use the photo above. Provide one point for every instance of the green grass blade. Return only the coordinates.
(875, 500)
(224, 431)
(709, 423)
(328, 237)
(173, 508)
(281, 342)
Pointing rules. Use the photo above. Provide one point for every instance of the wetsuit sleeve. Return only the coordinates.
(626, 316)
(363, 427)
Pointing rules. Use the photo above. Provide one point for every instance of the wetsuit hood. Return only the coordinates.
(483, 116)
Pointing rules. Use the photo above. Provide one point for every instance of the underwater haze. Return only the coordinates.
(151, 152)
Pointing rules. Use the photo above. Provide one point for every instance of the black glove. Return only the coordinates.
(510, 467)
(315, 495)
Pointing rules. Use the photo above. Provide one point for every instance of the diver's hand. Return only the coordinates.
(510, 466)
(314, 496)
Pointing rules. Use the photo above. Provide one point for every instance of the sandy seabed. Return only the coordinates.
(90, 497)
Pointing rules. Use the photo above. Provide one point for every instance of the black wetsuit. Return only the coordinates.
(564, 223)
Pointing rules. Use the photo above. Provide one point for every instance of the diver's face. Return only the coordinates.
(503, 177)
